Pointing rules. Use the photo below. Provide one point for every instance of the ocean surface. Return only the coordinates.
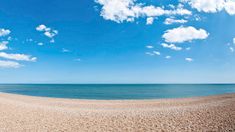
(118, 91)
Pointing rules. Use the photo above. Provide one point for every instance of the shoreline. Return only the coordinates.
(150, 99)
(31, 113)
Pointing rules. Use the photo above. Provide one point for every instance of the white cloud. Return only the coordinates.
(4, 32)
(153, 53)
(149, 47)
(48, 32)
(3, 45)
(230, 7)
(189, 59)
(207, 5)
(19, 57)
(156, 53)
(168, 57)
(169, 21)
(184, 34)
(41, 28)
(149, 20)
(171, 46)
(128, 10)
(212, 6)
(233, 40)
(9, 64)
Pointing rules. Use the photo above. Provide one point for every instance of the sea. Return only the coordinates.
(118, 91)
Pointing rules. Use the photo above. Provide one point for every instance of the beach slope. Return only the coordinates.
(25, 113)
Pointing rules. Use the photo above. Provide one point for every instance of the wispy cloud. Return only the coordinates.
(231, 49)
(149, 47)
(77, 59)
(18, 57)
(65, 50)
(168, 57)
(169, 21)
(3, 45)
(188, 48)
(231, 46)
(156, 52)
(149, 53)
(9, 64)
(171, 46)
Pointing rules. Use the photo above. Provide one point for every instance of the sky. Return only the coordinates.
(117, 41)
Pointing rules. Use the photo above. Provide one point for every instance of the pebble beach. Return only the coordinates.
(36, 114)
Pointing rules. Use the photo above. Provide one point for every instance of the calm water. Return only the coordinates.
(117, 91)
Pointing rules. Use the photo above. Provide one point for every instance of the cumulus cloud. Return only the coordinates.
(149, 20)
(3, 45)
(169, 21)
(233, 40)
(51, 34)
(19, 57)
(171, 46)
(41, 28)
(128, 10)
(212, 6)
(4, 32)
(189, 59)
(9, 64)
(48, 32)
(230, 7)
(184, 34)
(206, 5)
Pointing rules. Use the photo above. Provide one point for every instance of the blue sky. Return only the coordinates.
(117, 41)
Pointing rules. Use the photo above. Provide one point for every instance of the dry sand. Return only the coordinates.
(25, 113)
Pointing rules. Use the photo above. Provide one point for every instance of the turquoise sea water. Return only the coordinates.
(118, 91)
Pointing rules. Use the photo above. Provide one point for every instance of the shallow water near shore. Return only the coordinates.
(118, 91)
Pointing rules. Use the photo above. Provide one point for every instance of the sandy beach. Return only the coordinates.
(26, 113)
